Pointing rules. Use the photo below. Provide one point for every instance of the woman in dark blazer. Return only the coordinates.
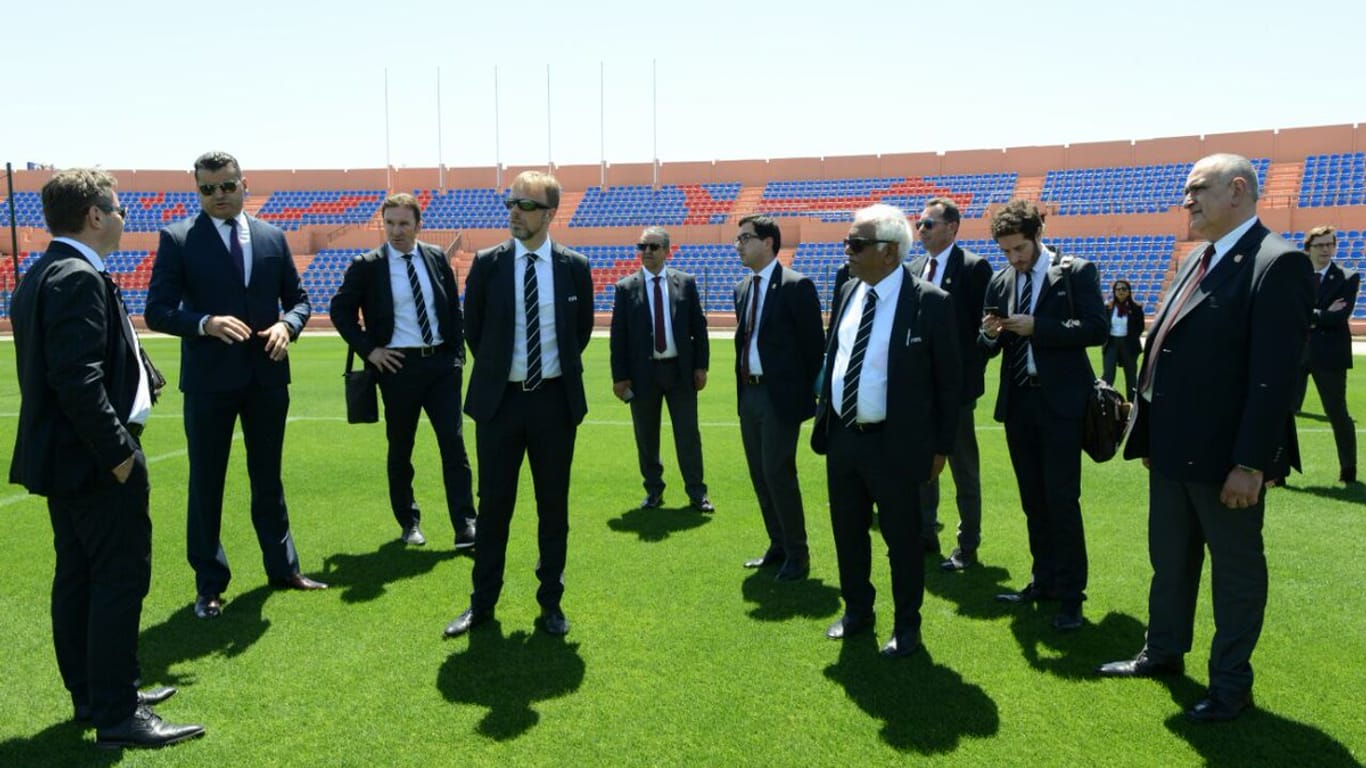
(1124, 342)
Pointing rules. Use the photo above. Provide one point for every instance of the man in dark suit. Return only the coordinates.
(85, 397)
(528, 318)
(1215, 400)
(219, 282)
(1044, 315)
(660, 352)
(778, 349)
(964, 276)
(414, 336)
(886, 418)
(1329, 354)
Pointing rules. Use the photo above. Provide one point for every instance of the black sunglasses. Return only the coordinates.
(229, 187)
(525, 204)
(856, 244)
(925, 224)
(122, 210)
(651, 247)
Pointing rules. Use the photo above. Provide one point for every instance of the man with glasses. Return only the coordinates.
(885, 422)
(414, 337)
(1330, 343)
(660, 352)
(778, 348)
(85, 397)
(219, 282)
(1043, 313)
(964, 276)
(528, 318)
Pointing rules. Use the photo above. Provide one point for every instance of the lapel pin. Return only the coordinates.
(1238, 258)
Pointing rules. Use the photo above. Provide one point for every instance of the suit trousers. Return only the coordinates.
(537, 425)
(771, 453)
(103, 543)
(209, 421)
(430, 384)
(1331, 384)
(965, 463)
(1116, 354)
(1045, 451)
(858, 475)
(1183, 518)
(676, 386)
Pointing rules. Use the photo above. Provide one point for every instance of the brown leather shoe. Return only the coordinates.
(297, 581)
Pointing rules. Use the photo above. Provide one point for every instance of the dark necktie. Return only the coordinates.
(934, 265)
(239, 259)
(1019, 365)
(849, 406)
(532, 301)
(750, 321)
(661, 343)
(419, 303)
(1318, 283)
(1168, 320)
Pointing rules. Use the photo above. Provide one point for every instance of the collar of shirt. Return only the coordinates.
(766, 273)
(1225, 244)
(943, 255)
(240, 218)
(542, 254)
(888, 289)
(649, 277)
(395, 253)
(85, 250)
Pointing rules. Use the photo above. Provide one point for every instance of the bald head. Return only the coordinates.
(1220, 194)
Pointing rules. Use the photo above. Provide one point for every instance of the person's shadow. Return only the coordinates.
(507, 675)
(660, 523)
(972, 590)
(184, 637)
(60, 744)
(1354, 493)
(780, 601)
(909, 696)
(1073, 655)
(364, 577)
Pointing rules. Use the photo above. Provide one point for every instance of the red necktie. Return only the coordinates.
(933, 266)
(1155, 350)
(661, 343)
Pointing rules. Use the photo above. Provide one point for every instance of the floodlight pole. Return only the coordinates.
(13, 223)
(497, 145)
(388, 166)
(440, 165)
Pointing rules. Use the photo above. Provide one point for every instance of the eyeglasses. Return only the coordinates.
(925, 225)
(856, 244)
(228, 187)
(651, 247)
(525, 204)
(122, 210)
(1121, 288)
(1324, 244)
(745, 237)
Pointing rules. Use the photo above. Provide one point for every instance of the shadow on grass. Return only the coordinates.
(1073, 655)
(1354, 493)
(60, 744)
(363, 577)
(973, 590)
(507, 675)
(783, 600)
(658, 524)
(184, 637)
(909, 696)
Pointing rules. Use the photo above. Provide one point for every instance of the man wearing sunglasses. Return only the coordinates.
(528, 318)
(778, 349)
(886, 417)
(660, 352)
(964, 276)
(219, 282)
(1043, 314)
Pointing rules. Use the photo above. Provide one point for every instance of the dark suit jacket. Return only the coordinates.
(489, 322)
(924, 377)
(1330, 337)
(791, 341)
(633, 336)
(1063, 329)
(193, 277)
(78, 375)
(1229, 367)
(366, 288)
(1133, 339)
(965, 279)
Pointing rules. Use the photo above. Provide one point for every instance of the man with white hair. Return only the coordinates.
(886, 420)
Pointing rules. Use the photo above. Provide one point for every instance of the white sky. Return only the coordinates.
(288, 84)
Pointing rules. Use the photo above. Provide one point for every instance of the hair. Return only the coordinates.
(1323, 231)
(951, 212)
(402, 200)
(764, 226)
(543, 182)
(1017, 217)
(213, 161)
(889, 223)
(1229, 167)
(659, 232)
(68, 196)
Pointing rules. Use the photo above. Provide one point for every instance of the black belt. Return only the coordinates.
(431, 351)
(1031, 380)
(866, 427)
(135, 429)
(665, 360)
(752, 379)
(522, 387)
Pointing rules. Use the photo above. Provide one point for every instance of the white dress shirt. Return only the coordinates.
(872, 382)
(756, 366)
(670, 349)
(545, 292)
(407, 329)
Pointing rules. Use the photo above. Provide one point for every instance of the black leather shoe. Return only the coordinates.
(849, 625)
(1069, 620)
(652, 501)
(467, 621)
(464, 535)
(794, 570)
(208, 606)
(1348, 475)
(902, 644)
(412, 535)
(153, 696)
(1030, 594)
(554, 622)
(771, 557)
(144, 729)
(297, 581)
(703, 505)
(960, 560)
(1142, 665)
(1220, 707)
